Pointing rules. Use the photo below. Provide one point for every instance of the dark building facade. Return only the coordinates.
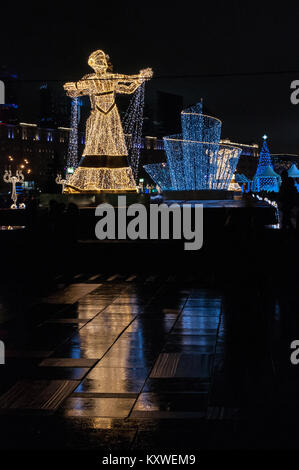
(40, 152)
(162, 114)
(284, 161)
(9, 111)
(54, 109)
(168, 113)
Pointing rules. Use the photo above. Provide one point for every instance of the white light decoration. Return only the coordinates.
(132, 125)
(271, 203)
(18, 178)
(120, 179)
(72, 155)
(104, 167)
(233, 185)
(59, 180)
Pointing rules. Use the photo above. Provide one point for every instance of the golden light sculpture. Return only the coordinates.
(104, 166)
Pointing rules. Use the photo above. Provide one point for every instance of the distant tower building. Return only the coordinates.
(62, 109)
(167, 113)
(9, 112)
(46, 114)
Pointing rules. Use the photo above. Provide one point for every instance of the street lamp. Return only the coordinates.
(18, 178)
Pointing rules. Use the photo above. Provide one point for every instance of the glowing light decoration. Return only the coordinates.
(60, 180)
(265, 178)
(293, 171)
(196, 160)
(72, 155)
(233, 185)
(159, 172)
(243, 181)
(104, 166)
(132, 125)
(91, 179)
(240, 178)
(265, 158)
(271, 203)
(18, 178)
(267, 181)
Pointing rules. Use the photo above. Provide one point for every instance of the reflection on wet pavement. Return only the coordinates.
(127, 362)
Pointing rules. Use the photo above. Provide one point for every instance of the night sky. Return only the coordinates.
(216, 49)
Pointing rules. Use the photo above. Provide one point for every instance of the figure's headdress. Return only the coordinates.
(98, 56)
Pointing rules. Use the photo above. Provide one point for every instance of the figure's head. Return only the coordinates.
(98, 60)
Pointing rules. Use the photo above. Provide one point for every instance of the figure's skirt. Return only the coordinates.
(86, 179)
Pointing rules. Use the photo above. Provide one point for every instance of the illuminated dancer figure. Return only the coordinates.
(104, 167)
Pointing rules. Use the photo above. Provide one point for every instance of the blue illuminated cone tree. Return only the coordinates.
(265, 178)
(265, 159)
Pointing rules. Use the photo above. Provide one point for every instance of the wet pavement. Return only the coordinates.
(143, 362)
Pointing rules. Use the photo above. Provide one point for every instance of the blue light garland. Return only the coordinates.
(159, 172)
(265, 178)
(196, 158)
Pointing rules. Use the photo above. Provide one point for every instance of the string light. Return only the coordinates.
(271, 203)
(233, 185)
(159, 172)
(91, 179)
(104, 133)
(14, 180)
(265, 158)
(72, 155)
(196, 160)
(265, 178)
(132, 125)
(199, 128)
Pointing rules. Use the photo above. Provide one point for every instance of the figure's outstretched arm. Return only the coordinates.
(80, 88)
(129, 83)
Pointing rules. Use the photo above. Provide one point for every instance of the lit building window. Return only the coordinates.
(24, 133)
(11, 133)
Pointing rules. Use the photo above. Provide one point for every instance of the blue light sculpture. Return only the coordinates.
(267, 181)
(293, 171)
(196, 159)
(159, 172)
(265, 158)
(265, 178)
(241, 180)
